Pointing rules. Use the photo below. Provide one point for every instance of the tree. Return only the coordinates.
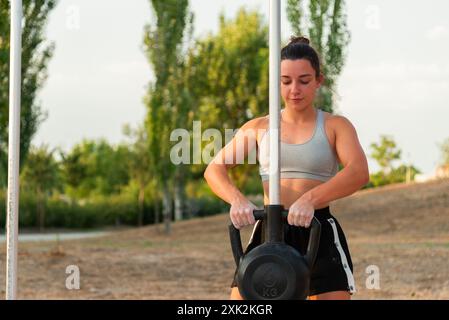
(74, 171)
(36, 53)
(385, 153)
(231, 71)
(139, 164)
(230, 77)
(328, 33)
(163, 47)
(95, 168)
(41, 176)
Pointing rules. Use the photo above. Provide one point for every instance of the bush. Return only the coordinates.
(62, 213)
(207, 206)
(397, 175)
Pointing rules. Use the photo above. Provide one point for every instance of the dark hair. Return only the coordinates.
(300, 48)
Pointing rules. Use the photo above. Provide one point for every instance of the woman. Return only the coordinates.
(313, 143)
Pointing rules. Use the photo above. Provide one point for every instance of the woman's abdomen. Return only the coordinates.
(291, 190)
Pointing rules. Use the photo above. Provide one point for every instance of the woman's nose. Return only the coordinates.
(295, 87)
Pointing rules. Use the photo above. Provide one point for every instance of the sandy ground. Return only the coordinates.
(403, 230)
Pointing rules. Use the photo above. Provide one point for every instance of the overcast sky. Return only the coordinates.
(395, 80)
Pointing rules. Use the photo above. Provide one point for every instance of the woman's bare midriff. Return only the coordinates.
(291, 190)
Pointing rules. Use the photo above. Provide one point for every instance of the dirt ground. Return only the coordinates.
(403, 230)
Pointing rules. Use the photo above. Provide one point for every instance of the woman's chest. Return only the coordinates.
(290, 136)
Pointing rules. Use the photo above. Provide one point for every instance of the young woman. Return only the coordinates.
(313, 143)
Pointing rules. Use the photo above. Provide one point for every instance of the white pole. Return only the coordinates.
(274, 78)
(13, 149)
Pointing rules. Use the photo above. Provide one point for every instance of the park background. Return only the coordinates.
(106, 82)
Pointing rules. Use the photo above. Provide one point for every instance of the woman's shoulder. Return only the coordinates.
(254, 128)
(256, 123)
(337, 122)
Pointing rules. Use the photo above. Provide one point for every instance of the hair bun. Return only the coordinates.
(299, 39)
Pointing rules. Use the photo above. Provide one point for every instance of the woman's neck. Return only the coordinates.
(291, 116)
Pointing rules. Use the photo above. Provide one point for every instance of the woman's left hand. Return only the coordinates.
(301, 213)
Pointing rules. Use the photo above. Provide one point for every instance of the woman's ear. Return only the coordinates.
(320, 81)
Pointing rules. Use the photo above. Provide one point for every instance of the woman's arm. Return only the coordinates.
(218, 180)
(235, 152)
(355, 173)
(216, 174)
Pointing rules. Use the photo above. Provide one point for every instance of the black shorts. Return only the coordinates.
(333, 269)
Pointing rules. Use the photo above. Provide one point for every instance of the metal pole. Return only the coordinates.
(274, 78)
(12, 224)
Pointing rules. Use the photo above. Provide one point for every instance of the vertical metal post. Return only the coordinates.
(274, 78)
(12, 223)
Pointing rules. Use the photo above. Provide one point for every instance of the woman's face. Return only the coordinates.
(298, 83)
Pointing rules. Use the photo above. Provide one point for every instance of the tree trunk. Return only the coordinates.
(40, 211)
(156, 211)
(179, 194)
(166, 208)
(188, 209)
(42, 215)
(141, 204)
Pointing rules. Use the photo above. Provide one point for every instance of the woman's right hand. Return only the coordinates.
(241, 213)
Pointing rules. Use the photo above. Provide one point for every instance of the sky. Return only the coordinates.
(395, 80)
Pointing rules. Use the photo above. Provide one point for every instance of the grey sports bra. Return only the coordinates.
(313, 159)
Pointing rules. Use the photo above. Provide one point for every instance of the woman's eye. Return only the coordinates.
(287, 83)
